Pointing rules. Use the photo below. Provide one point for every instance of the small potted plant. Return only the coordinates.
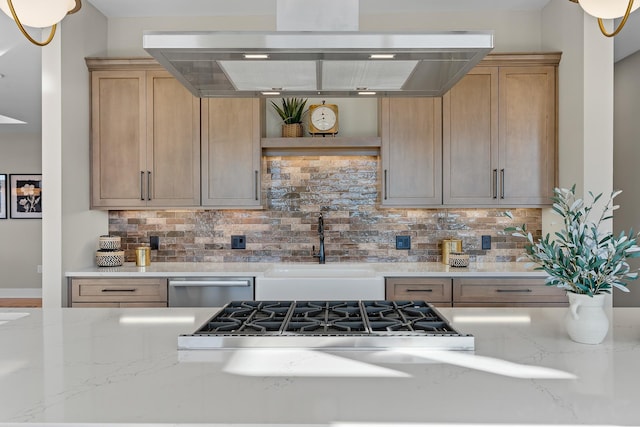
(584, 260)
(291, 111)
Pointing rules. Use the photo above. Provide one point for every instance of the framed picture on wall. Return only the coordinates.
(26, 196)
(3, 196)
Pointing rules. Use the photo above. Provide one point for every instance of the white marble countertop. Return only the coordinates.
(94, 366)
(389, 269)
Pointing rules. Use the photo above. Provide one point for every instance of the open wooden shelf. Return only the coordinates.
(322, 146)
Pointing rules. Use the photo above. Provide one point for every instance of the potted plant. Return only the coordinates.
(584, 260)
(291, 111)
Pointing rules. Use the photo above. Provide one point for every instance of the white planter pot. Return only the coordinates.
(586, 321)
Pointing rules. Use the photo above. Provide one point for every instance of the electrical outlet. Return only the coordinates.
(154, 242)
(403, 242)
(238, 242)
(486, 243)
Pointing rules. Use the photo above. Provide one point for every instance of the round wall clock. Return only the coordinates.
(323, 119)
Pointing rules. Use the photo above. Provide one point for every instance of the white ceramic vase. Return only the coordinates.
(586, 321)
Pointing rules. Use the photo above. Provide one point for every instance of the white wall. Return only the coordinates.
(71, 229)
(80, 226)
(514, 31)
(626, 174)
(585, 133)
(20, 239)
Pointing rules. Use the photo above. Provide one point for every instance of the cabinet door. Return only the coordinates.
(470, 139)
(411, 130)
(231, 152)
(173, 143)
(527, 135)
(118, 138)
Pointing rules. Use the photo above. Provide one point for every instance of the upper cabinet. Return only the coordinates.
(411, 151)
(470, 139)
(491, 140)
(499, 133)
(231, 155)
(145, 145)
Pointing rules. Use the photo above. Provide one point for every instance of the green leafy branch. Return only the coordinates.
(581, 259)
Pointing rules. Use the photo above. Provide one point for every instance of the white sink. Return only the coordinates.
(320, 282)
(319, 270)
(8, 316)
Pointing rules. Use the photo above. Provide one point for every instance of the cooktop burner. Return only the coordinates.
(327, 324)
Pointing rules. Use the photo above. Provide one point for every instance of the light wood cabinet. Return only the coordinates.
(231, 153)
(118, 292)
(506, 292)
(527, 135)
(499, 133)
(433, 290)
(475, 291)
(411, 151)
(145, 137)
(470, 139)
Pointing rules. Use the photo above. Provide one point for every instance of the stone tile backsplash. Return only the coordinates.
(295, 190)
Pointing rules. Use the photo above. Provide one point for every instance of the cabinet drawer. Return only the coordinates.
(501, 290)
(436, 290)
(118, 304)
(118, 290)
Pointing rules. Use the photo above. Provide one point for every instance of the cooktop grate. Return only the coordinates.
(333, 324)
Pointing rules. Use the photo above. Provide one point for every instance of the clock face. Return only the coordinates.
(323, 118)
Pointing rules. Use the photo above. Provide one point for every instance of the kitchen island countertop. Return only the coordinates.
(122, 366)
(387, 269)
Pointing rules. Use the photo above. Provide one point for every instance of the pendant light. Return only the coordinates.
(609, 9)
(39, 14)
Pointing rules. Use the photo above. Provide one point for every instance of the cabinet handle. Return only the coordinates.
(141, 185)
(119, 290)
(148, 185)
(511, 291)
(495, 183)
(386, 183)
(502, 183)
(255, 184)
(419, 290)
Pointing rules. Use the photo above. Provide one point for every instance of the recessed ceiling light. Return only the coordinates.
(256, 56)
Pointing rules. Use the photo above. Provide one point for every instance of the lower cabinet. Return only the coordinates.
(118, 292)
(506, 292)
(436, 291)
(475, 291)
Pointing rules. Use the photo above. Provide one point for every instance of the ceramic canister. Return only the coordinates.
(448, 246)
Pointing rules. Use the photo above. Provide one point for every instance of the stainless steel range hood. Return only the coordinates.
(323, 63)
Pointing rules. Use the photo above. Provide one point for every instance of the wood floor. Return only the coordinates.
(20, 302)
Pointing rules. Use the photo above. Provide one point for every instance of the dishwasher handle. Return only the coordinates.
(204, 283)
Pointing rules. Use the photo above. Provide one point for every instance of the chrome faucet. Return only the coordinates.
(320, 254)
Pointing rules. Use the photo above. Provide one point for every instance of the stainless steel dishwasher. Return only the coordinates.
(209, 291)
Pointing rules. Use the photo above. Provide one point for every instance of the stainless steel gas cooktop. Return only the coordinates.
(327, 324)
